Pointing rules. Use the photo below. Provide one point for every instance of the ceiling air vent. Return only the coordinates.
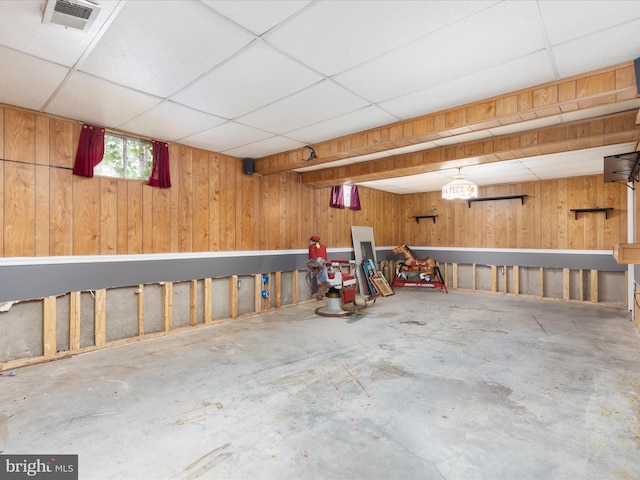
(78, 14)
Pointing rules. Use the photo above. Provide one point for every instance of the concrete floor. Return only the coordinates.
(422, 385)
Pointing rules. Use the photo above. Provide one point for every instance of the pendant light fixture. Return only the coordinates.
(459, 188)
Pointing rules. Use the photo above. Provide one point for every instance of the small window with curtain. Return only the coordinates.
(345, 196)
(125, 157)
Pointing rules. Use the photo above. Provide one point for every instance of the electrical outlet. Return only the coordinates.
(239, 283)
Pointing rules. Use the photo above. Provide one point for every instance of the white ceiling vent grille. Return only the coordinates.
(78, 14)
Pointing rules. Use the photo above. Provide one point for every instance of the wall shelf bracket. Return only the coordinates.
(418, 217)
(576, 211)
(487, 199)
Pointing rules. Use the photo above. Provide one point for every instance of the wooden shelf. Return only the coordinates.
(418, 217)
(576, 211)
(488, 199)
(627, 253)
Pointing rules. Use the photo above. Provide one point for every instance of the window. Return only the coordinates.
(125, 157)
(345, 196)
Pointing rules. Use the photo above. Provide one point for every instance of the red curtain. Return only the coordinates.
(90, 150)
(160, 176)
(337, 197)
(355, 198)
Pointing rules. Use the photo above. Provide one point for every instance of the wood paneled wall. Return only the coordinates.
(545, 220)
(213, 206)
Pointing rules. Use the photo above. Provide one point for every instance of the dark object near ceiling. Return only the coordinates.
(623, 167)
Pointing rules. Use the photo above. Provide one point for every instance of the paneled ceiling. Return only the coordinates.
(257, 78)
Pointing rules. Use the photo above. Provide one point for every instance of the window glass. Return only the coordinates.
(125, 157)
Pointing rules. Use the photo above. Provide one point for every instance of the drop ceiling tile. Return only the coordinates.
(261, 148)
(318, 103)
(225, 137)
(352, 122)
(26, 81)
(494, 36)
(257, 16)
(334, 36)
(605, 48)
(159, 47)
(21, 28)
(90, 99)
(586, 17)
(254, 78)
(170, 122)
(522, 72)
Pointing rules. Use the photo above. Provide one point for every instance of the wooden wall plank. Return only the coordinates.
(2, 117)
(86, 216)
(42, 218)
(201, 174)
(64, 137)
(148, 209)
(61, 212)
(215, 223)
(20, 135)
(108, 216)
(121, 215)
(135, 217)
(2, 208)
(185, 201)
(163, 216)
(19, 209)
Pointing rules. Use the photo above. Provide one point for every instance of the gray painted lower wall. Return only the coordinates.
(22, 279)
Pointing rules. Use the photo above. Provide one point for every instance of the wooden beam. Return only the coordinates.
(277, 286)
(294, 283)
(494, 279)
(473, 277)
(581, 285)
(193, 303)
(74, 320)
(541, 282)
(140, 293)
(233, 296)
(566, 283)
(455, 276)
(594, 286)
(167, 306)
(607, 130)
(516, 280)
(49, 345)
(257, 292)
(267, 301)
(208, 316)
(505, 272)
(100, 317)
(580, 92)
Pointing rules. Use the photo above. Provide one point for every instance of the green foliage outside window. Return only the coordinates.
(125, 157)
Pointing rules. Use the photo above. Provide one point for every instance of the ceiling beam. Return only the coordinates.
(602, 87)
(606, 130)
